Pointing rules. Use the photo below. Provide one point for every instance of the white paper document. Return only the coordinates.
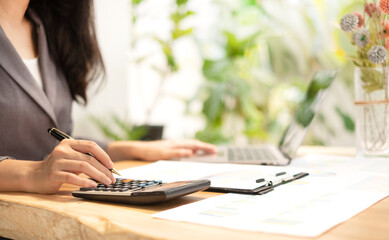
(295, 214)
(220, 175)
(336, 189)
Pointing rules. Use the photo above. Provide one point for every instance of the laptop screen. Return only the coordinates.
(307, 109)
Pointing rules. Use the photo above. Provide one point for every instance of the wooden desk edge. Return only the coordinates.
(49, 218)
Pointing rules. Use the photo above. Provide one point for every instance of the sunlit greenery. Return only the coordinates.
(271, 50)
(114, 128)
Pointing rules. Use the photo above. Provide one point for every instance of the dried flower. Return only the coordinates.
(361, 38)
(387, 44)
(377, 54)
(371, 8)
(384, 5)
(386, 29)
(360, 18)
(369, 32)
(349, 22)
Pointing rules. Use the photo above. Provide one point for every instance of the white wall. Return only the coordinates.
(129, 89)
(177, 87)
(112, 24)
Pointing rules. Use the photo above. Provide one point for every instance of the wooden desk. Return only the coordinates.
(60, 216)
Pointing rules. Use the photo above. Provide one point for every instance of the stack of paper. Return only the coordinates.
(336, 189)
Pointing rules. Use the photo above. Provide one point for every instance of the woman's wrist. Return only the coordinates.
(28, 181)
(17, 175)
(125, 150)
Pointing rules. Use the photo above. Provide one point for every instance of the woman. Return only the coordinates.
(48, 58)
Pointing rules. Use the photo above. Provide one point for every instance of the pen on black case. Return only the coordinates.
(59, 135)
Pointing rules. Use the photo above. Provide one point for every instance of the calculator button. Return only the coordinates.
(124, 189)
(86, 189)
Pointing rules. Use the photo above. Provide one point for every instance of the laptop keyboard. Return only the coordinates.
(247, 154)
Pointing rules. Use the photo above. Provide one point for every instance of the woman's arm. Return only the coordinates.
(63, 165)
(156, 150)
(14, 175)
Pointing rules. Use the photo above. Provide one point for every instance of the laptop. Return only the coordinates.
(292, 138)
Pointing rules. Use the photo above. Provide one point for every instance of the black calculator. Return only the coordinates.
(141, 192)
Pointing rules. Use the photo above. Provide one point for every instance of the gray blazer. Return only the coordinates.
(27, 111)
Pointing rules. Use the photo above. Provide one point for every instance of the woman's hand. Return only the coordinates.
(157, 150)
(66, 162)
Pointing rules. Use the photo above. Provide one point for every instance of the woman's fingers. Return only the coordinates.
(94, 149)
(74, 151)
(67, 177)
(93, 161)
(197, 145)
(177, 153)
(77, 167)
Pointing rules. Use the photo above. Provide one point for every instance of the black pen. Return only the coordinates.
(59, 135)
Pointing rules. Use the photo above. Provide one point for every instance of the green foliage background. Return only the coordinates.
(270, 50)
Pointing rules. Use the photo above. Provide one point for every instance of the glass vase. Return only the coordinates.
(372, 105)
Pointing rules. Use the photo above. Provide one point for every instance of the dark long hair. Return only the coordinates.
(71, 37)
